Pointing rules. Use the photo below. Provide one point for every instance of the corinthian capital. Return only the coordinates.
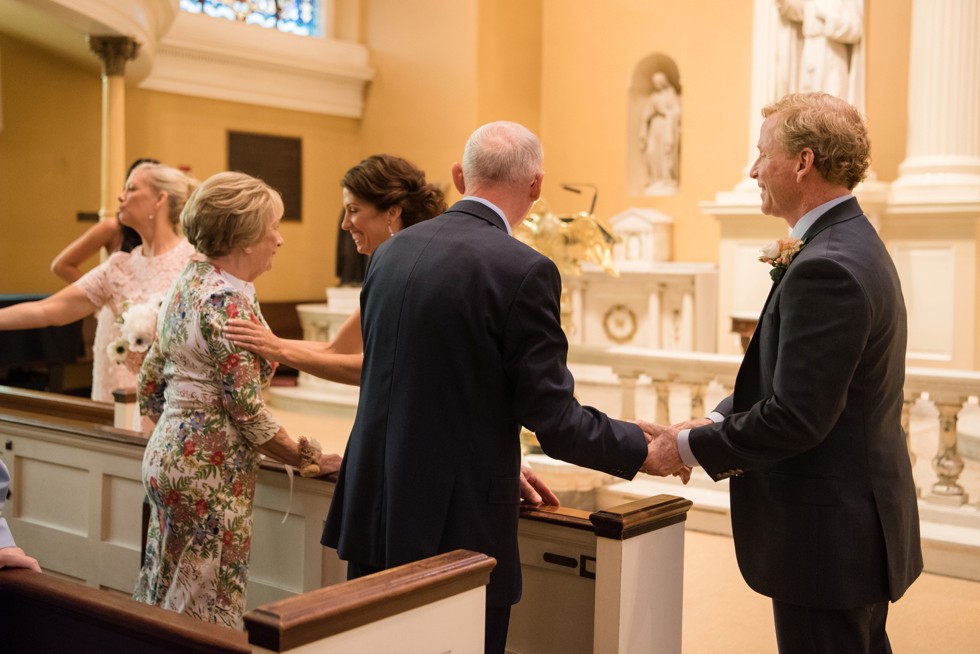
(114, 51)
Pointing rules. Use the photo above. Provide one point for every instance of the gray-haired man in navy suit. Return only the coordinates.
(462, 346)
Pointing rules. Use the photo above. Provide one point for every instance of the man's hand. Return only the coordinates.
(663, 459)
(14, 557)
(691, 424)
(534, 490)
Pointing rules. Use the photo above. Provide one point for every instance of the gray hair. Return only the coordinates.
(501, 153)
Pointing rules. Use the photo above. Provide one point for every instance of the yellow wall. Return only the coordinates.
(181, 130)
(443, 67)
(421, 104)
(49, 162)
(590, 53)
(889, 30)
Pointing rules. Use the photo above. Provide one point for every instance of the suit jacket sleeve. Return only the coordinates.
(811, 341)
(6, 539)
(535, 351)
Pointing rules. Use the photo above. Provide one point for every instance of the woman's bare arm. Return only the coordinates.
(338, 361)
(284, 449)
(67, 305)
(105, 233)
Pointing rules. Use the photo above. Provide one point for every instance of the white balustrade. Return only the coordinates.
(939, 403)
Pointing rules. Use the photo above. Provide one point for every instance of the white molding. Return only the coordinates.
(206, 57)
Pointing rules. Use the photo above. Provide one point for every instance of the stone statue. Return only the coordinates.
(819, 48)
(660, 135)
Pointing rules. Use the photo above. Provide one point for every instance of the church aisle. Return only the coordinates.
(722, 614)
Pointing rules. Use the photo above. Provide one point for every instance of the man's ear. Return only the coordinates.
(458, 181)
(536, 185)
(804, 163)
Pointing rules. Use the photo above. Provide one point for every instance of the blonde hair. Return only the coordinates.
(228, 211)
(175, 183)
(829, 126)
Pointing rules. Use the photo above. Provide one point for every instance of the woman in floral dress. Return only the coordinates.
(151, 204)
(205, 395)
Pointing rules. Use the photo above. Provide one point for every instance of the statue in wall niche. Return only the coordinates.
(819, 48)
(660, 136)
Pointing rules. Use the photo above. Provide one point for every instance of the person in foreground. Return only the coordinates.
(383, 194)
(11, 556)
(150, 204)
(823, 504)
(462, 346)
(201, 461)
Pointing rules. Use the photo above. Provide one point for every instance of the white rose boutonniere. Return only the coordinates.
(779, 254)
(138, 325)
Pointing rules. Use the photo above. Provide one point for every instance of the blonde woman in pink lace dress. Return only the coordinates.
(151, 204)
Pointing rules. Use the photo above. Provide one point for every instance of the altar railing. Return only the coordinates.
(940, 417)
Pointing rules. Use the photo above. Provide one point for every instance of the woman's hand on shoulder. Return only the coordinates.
(254, 337)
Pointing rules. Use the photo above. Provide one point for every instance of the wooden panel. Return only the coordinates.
(276, 160)
(53, 404)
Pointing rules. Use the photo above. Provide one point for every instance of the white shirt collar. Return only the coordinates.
(494, 207)
(810, 217)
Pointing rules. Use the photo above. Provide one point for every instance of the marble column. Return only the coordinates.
(114, 52)
(932, 216)
(943, 157)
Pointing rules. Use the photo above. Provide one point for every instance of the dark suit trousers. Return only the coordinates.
(497, 620)
(804, 630)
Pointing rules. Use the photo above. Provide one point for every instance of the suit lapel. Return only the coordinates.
(749, 371)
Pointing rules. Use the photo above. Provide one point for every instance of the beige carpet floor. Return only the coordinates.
(721, 614)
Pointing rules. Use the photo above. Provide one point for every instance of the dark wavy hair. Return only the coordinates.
(386, 181)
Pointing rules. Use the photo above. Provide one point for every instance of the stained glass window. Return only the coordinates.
(292, 16)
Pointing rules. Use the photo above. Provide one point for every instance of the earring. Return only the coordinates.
(390, 232)
(152, 216)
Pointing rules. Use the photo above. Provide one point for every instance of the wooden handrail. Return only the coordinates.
(619, 522)
(54, 404)
(317, 614)
(640, 517)
(37, 611)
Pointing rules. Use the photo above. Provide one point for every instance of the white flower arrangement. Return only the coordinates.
(138, 326)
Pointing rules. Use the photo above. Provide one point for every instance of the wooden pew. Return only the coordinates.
(610, 581)
(78, 500)
(45, 613)
(627, 560)
(429, 606)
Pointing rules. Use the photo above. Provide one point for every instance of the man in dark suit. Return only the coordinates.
(823, 505)
(462, 346)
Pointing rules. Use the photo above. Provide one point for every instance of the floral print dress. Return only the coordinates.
(200, 463)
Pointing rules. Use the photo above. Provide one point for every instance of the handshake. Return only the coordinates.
(663, 458)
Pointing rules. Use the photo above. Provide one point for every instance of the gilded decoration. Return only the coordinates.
(619, 323)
